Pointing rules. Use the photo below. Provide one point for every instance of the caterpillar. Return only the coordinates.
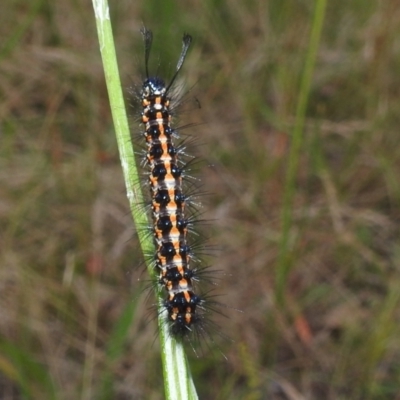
(170, 220)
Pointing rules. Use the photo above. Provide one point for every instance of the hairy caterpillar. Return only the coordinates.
(170, 216)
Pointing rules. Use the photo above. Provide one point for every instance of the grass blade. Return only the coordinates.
(177, 379)
(284, 259)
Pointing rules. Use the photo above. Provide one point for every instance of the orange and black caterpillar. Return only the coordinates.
(168, 201)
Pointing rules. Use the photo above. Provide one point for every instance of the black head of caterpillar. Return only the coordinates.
(154, 90)
(171, 224)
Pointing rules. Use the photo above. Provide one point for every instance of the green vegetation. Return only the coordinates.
(177, 382)
(74, 320)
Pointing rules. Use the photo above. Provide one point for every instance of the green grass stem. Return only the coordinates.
(284, 259)
(32, 378)
(177, 379)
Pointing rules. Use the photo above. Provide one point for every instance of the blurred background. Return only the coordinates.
(75, 320)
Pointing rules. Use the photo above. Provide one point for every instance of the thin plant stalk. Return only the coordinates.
(284, 260)
(177, 378)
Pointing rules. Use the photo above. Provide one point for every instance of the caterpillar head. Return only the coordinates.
(153, 87)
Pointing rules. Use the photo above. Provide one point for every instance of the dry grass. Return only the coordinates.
(69, 261)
